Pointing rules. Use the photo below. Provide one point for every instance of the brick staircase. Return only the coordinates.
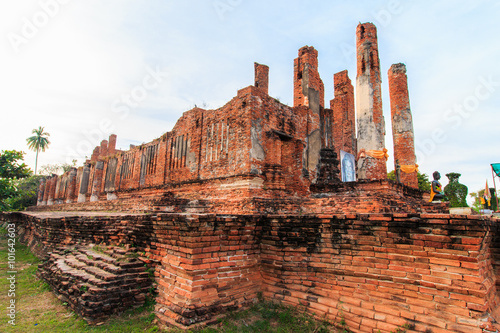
(95, 282)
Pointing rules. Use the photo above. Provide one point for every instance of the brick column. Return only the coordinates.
(309, 92)
(308, 89)
(96, 184)
(84, 184)
(262, 77)
(112, 144)
(76, 192)
(57, 192)
(371, 124)
(95, 154)
(402, 124)
(41, 191)
(103, 150)
(46, 191)
(52, 190)
(70, 192)
(344, 127)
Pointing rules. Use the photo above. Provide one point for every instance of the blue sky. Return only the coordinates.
(85, 69)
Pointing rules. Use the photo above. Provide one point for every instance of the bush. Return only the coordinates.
(25, 195)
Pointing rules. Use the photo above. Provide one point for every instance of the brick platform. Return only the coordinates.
(435, 272)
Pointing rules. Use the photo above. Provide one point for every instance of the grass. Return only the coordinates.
(270, 317)
(39, 310)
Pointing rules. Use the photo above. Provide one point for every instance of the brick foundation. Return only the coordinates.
(433, 271)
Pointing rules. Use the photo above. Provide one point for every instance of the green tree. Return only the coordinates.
(477, 203)
(476, 196)
(12, 168)
(456, 192)
(424, 183)
(423, 180)
(26, 193)
(56, 168)
(38, 142)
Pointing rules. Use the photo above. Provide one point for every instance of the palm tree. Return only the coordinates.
(38, 142)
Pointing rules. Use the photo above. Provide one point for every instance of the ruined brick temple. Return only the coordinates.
(248, 199)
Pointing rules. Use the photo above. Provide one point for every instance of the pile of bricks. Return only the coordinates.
(96, 284)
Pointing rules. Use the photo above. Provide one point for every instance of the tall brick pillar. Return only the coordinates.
(52, 190)
(112, 144)
(402, 125)
(41, 191)
(309, 92)
(46, 191)
(262, 77)
(57, 192)
(84, 183)
(344, 126)
(103, 150)
(371, 124)
(308, 89)
(76, 192)
(70, 192)
(95, 154)
(96, 184)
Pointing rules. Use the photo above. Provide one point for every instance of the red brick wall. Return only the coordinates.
(52, 191)
(236, 196)
(368, 61)
(433, 272)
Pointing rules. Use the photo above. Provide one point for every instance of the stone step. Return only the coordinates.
(105, 271)
(98, 256)
(80, 274)
(96, 284)
(108, 266)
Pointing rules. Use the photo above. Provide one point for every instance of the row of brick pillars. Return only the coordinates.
(58, 189)
(74, 185)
